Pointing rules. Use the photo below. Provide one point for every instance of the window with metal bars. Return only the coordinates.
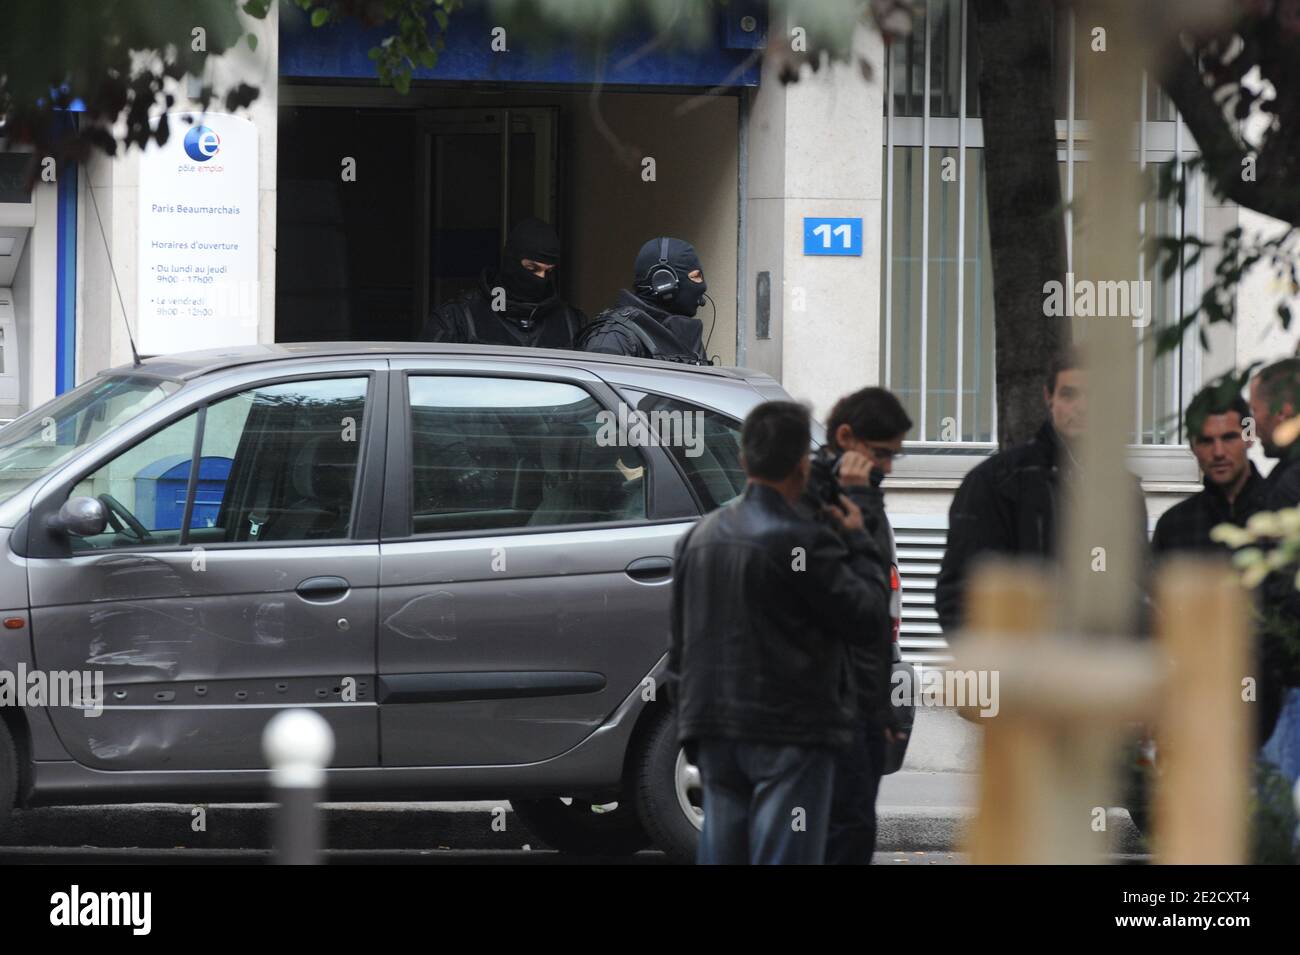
(937, 312)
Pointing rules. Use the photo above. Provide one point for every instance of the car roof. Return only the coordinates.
(196, 364)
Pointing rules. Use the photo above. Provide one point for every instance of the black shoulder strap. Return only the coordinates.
(471, 337)
(617, 316)
(620, 317)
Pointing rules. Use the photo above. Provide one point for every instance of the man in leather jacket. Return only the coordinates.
(864, 434)
(766, 603)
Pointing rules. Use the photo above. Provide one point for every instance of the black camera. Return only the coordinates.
(824, 479)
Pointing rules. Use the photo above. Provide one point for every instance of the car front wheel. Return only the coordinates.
(669, 797)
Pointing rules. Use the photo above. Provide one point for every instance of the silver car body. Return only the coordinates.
(470, 678)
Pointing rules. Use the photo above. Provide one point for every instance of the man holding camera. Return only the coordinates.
(864, 436)
(766, 603)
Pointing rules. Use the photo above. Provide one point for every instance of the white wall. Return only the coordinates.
(22, 303)
(37, 339)
(815, 149)
(1260, 336)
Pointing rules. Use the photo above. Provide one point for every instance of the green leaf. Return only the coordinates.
(1168, 339)
(319, 16)
(441, 17)
(252, 41)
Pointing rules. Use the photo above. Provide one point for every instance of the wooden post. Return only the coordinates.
(1099, 547)
(1048, 756)
(1203, 734)
(1011, 604)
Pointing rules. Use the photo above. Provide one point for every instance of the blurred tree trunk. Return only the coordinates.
(1026, 215)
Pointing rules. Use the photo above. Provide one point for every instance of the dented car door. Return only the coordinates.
(244, 586)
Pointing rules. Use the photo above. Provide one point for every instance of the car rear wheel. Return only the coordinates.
(581, 828)
(669, 797)
(8, 774)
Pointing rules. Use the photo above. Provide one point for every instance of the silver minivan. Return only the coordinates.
(457, 555)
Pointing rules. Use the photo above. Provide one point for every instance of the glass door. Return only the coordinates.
(487, 170)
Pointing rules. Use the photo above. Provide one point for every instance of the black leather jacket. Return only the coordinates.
(1010, 504)
(1006, 504)
(766, 604)
(872, 662)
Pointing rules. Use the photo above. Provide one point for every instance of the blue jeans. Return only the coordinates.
(851, 839)
(1283, 748)
(764, 804)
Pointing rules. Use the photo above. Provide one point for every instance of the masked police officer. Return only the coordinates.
(516, 305)
(656, 317)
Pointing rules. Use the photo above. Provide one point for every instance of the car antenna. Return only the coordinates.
(135, 355)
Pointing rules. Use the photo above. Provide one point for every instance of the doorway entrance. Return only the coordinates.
(408, 217)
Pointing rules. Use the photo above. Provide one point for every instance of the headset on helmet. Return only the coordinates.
(661, 280)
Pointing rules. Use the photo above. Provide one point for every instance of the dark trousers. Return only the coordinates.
(851, 839)
(764, 804)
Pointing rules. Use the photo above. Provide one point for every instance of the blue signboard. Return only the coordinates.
(634, 57)
(832, 236)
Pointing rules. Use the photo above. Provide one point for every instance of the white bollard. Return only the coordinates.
(299, 745)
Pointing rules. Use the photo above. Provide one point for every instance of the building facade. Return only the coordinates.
(367, 207)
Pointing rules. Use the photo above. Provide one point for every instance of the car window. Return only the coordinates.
(36, 443)
(505, 452)
(704, 443)
(277, 463)
(143, 490)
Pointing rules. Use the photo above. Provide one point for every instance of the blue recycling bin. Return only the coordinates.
(160, 492)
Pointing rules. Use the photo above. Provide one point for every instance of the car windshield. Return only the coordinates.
(42, 439)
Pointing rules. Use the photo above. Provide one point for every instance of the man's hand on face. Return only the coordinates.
(855, 468)
(848, 515)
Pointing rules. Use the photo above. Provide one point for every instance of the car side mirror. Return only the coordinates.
(81, 517)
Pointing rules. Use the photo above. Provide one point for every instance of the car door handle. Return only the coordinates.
(323, 589)
(651, 570)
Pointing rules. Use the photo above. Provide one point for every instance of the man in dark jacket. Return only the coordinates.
(656, 318)
(765, 604)
(1010, 504)
(1234, 489)
(1274, 400)
(864, 434)
(516, 305)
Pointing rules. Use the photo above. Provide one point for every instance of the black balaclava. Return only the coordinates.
(530, 239)
(683, 260)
